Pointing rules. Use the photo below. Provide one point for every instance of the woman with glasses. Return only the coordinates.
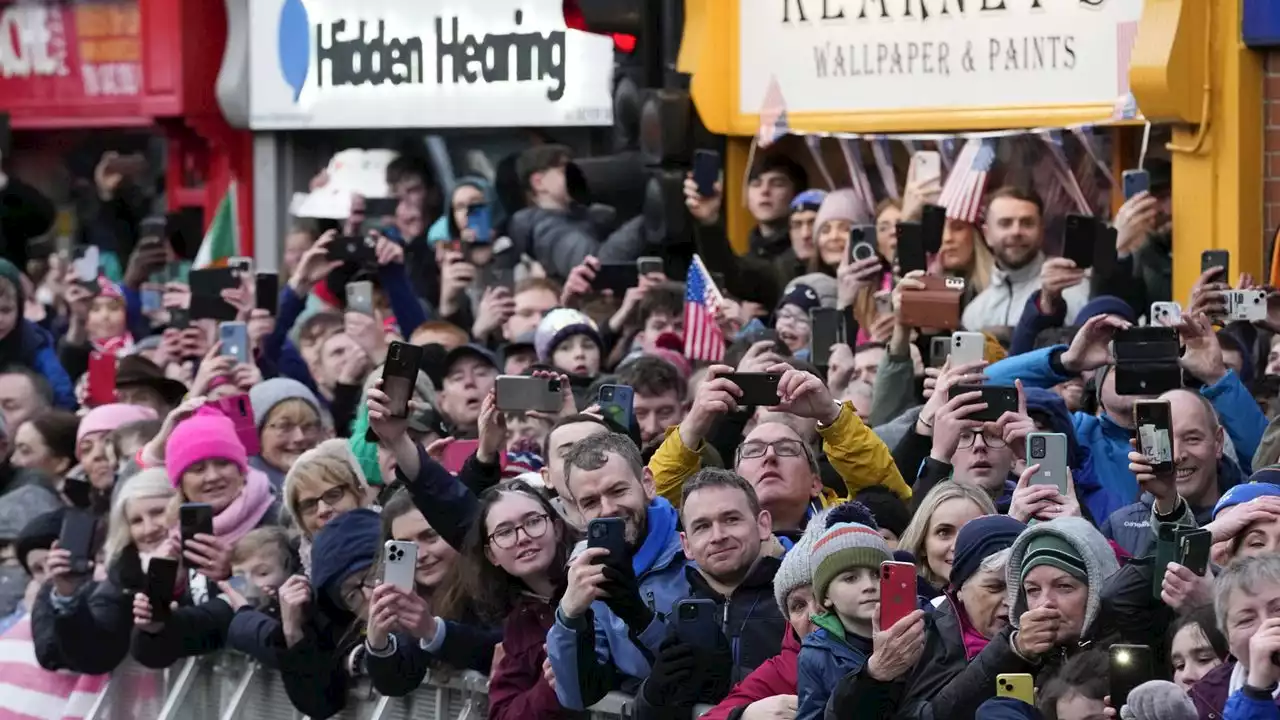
(323, 483)
(287, 416)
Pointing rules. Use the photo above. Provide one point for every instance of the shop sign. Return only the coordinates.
(424, 63)
(67, 52)
(851, 56)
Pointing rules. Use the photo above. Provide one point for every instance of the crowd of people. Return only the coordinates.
(782, 522)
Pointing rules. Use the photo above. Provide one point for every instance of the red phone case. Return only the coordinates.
(240, 410)
(897, 592)
(456, 454)
(101, 388)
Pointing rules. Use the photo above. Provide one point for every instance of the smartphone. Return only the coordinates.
(523, 393)
(696, 623)
(926, 165)
(480, 222)
(617, 277)
(611, 534)
(1217, 259)
(1080, 234)
(939, 350)
(1146, 360)
(1131, 665)
(911, 253)
(862, 242)
(967, 347)
(457, 453)
(999, 399)
(1166, 314)
(706, 171)
(1154, 421)
(79, 526)
(1246, 305)
(240, 409)
(617, 402)
(400, 564)
(101, 388)
(1049, 451)
(826, 329)
(354, 249)
(6, 134)
(78, 492)
(234, 337)
(400, 376)
(1194, 545)
(266, 290)
(241, 264)
(360, 297)
(379, 208)
(85, 262)
(1018, 686)
(1167, 551)
(195, 519)
(650, 265)
(162, 581)
(933, 224)
(179, 318)
(1134, 182)
(897, 592)
(758, 389)
(241, 585)
(152, 299)
(206, 293)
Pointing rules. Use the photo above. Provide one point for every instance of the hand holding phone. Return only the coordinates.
(195, 519)
(610, 534)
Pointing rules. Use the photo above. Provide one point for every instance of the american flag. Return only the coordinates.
(962, 193)
(773, 115)
(883, 154)
(947, 149)
(861, 184)
(703, 339)
(1059, 170)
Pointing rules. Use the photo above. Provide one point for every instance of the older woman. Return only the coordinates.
(931, 535)
(85, 627)
(323, 483)
(93, 444)
(1246, 595)
(287, 416)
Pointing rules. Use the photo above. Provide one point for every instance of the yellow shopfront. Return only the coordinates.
(965, 66)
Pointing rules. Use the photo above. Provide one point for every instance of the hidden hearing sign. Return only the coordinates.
(853, 56)
(423, 63)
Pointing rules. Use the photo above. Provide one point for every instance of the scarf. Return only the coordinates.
(974, 641)
(121, 344)
(662, 523)
(244, 513)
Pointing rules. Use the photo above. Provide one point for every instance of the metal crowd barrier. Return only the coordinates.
(230, 686)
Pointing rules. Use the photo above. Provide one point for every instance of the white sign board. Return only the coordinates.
(424, 63)
(883, 55)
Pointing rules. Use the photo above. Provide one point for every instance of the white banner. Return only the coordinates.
(424, 63)
(886, 55)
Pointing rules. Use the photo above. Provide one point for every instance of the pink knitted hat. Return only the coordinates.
(106, 418)
(207, 435)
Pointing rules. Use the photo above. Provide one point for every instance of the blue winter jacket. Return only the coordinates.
(1130, 526)
(622, 652)
(40, 353)
(827, 655)
(1109, 441)
(1245, 707)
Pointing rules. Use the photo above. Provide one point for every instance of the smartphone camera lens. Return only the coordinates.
(597, 531)
(395, 352)
(554, 385)
(1037, 447)
(688, 612)
(606, 393)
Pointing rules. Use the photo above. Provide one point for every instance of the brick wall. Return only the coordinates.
(1271, 145)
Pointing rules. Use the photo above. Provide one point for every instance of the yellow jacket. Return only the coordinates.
(852, 448)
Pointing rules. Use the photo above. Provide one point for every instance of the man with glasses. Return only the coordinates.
(969, 451)
(774, 457)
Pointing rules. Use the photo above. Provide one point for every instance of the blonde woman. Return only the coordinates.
(964, 254)
(91, 624)
(325, 482)
(931, 536)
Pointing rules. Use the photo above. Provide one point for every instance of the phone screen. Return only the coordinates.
(480, 221)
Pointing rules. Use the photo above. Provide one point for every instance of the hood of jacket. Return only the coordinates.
(1051, 408)
(444, 226)
(1099, 557)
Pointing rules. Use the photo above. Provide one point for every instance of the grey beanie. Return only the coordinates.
(1099, 561)
(20, 505)
(265, 396)
(795, 571)
(1158, 700)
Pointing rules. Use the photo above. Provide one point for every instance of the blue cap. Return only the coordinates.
(808, 200)
(1249, 491)
(471, 350)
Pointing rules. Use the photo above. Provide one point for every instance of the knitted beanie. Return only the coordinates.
(559, 325)
(796, 570)
(1158, 700)
(839, 204)
(207, 435)
(824, 285)
(265, 396)
(1054, 551)
(106, 418)
(841, 547)
(1249, 491)
(979, 539)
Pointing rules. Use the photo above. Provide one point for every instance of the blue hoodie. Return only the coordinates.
(442, 228)
(41, 355)
(659, 565)
(1109, 441)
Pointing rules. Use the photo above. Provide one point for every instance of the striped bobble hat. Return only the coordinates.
(842, 547)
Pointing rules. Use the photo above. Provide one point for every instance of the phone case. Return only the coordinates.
(456, 454)
(1217, 259)
(651, 265)
(267, 292)
(206, 293)
(234, 337)
(101, 389)
(911, 253)
(479, 221)
(401, 562)
(939, 350)
(967, 347)
(1134, 182)
(518, 393)
(999, 399)
(1165, 314)
(1049, 451)
(611, 534)
(79, 527)
(696, 623)
(1146, 360)
(827, 329)
(162, 580)
(936, 307)
(925, 165)
(1130, 666)
(78, 492)
(1247, 305)
(360, 297)
(1080, 234)
(617, 402)
(240, 409)
(862, 242)
(1194, 547)
(706, 171)
(933, 224)
(354, 249)
(1019, 686)
(758, 389)
(400, 375)
(618, 277)
(1167, 551)
(897, 592)
(195, 519)
(1154, 422)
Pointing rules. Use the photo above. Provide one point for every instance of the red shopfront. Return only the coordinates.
(73, 70)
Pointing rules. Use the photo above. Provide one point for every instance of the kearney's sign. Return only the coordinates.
(423, 63)
(852, 56)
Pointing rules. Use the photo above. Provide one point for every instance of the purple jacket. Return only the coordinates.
(1210, 694)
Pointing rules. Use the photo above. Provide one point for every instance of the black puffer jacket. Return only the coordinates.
(90, 633)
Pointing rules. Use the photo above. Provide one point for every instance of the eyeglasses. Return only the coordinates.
(968, 436)
(283, 427)
(354, 598)
(781, 448)
(794, 317)
(534, 527)
(330, 497)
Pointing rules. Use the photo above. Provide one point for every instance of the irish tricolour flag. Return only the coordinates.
(222, 240)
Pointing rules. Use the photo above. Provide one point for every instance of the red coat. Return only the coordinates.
(776, 676)
(517, 690)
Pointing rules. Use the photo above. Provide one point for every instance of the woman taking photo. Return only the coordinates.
(931, 536)
(83, 626)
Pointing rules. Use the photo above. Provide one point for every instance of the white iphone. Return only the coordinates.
(926, 165)
(400, 563)
(1165, 314)
(967, 347)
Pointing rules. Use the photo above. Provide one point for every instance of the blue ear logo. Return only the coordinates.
(295, 45)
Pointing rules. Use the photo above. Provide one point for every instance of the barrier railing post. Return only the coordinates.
(186, 678)
(99, 702)
(242, 687)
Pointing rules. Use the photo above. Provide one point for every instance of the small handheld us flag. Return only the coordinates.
(703, 339)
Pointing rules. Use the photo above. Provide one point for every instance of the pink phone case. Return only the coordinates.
(456, 454)
(240, 410)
